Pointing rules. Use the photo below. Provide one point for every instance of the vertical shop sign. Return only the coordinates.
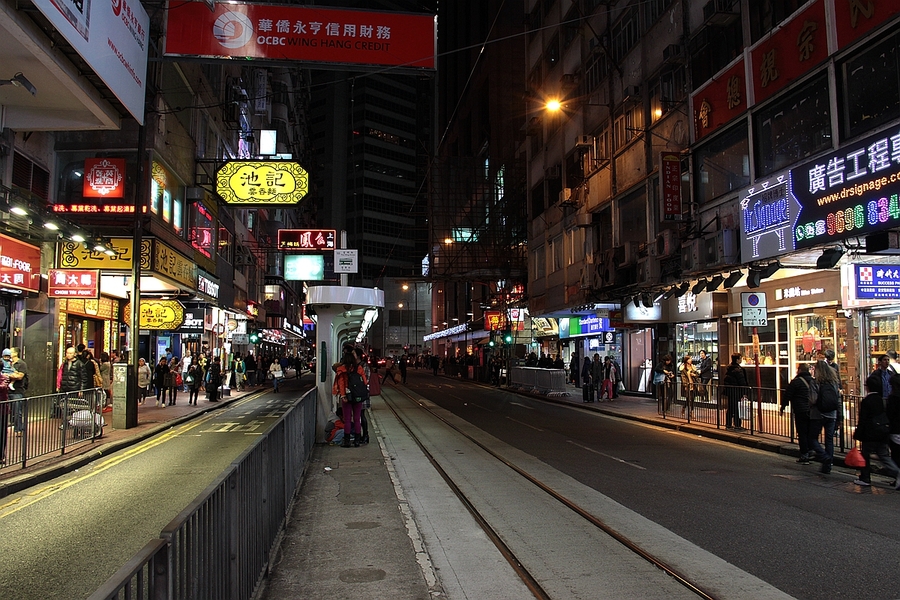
(670, 185)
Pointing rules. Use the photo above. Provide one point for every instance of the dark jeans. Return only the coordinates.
(815, 430)
(801, 423)
(732, 411)
(194, 393)
(19, 416)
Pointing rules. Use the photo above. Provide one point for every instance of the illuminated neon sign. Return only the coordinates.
(851, 192)
(768, 212)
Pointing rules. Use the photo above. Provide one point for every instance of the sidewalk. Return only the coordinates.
(151, 420)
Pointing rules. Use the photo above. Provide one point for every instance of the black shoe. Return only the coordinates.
(356, 442)
(826, 467)
(346, 442)
(804, 460)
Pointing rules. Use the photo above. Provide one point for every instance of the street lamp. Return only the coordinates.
(400, 306)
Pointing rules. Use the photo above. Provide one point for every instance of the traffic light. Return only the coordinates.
(254, 337)
(491, 343)
(507, 337)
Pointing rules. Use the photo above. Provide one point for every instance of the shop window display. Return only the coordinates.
(884, 335)
(691, 338)
(774, 359)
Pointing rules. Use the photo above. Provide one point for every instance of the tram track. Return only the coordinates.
(531, 580)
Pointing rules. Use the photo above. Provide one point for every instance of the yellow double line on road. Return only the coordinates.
(36, 495)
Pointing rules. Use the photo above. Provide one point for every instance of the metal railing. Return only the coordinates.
(757, 409)
(547, 382)
(221, 545)
(44, 425)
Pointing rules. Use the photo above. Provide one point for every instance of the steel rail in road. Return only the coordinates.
(521, 570)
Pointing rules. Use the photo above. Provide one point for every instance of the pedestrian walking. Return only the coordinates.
(736, 386)
(194, 381)
(587, 390)
(17, 386)
(161, 381)
(276, 374)
(214, 379)
(872, 430)
(145, 377)
(823, 414)
(797, 396)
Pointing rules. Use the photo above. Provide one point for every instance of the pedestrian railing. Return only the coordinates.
(221, 545)
(547, 382)
(53, 423)
(755, 410)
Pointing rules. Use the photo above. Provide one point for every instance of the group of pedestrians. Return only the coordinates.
(350, 373)
(602, 378)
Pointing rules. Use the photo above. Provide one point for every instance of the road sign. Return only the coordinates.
(753, 309)
(345, 261)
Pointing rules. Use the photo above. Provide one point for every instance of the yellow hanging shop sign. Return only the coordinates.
(165, 315)
(255, 182)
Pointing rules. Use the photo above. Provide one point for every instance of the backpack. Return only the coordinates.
(813, 393)
(356, 387)
(828, 399)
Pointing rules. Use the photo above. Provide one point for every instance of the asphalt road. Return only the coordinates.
(63, 539)
(810, 535)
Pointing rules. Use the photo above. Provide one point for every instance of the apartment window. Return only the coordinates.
(870, 91)
(627, 124)
(601, 145)
(626, 33)
(654, 9)
(765, 15)
(794, 127)
(574, 245)
(666, 91)
(556, 254)
(723, 164)
(633, 217)
(597, 69)
(537, 200)
(713, 48)
(539, 263)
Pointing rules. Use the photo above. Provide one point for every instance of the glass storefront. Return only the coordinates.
(691, 338)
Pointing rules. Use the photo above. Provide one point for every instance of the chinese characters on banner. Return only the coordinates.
(73, 283)
(307, 33)
(306, 239)
(253, 182)
(20, 265)
(670, 185)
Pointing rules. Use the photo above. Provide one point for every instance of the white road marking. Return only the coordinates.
(621, 460)
(525, 424)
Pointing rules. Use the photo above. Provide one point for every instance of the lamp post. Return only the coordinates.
(400, 306)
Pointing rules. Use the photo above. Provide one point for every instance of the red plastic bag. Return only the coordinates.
(855, 458)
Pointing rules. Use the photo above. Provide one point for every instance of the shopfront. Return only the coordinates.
(639, 343)
(805, 318)
(872, 302)
(695, 326)
(594, 334)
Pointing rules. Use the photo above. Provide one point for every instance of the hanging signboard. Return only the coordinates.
(246, 182)
(306, 239)
(73, 283)
(310, 34)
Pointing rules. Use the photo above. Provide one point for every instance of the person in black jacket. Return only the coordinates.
(871, 408)
(73, 376)
(797, 395)
(705, 367)
(160, 374)
(736, 386)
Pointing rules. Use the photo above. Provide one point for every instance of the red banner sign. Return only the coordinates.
(104, 178)
(20, 265)
(306, 239)
(287, 32)
(794, 49)
(670, 184)
(721, 100)
(855, 18)
(73, 283)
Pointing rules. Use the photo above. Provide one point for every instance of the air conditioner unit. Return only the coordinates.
(648, 270)
(690, 256)
(672, 53)
(631, 93)
(606, 270)
(666, 243)
(566, 197)
(552, 172)
(720, 248)
(720, 13)
(584, 141)
(626, 254)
